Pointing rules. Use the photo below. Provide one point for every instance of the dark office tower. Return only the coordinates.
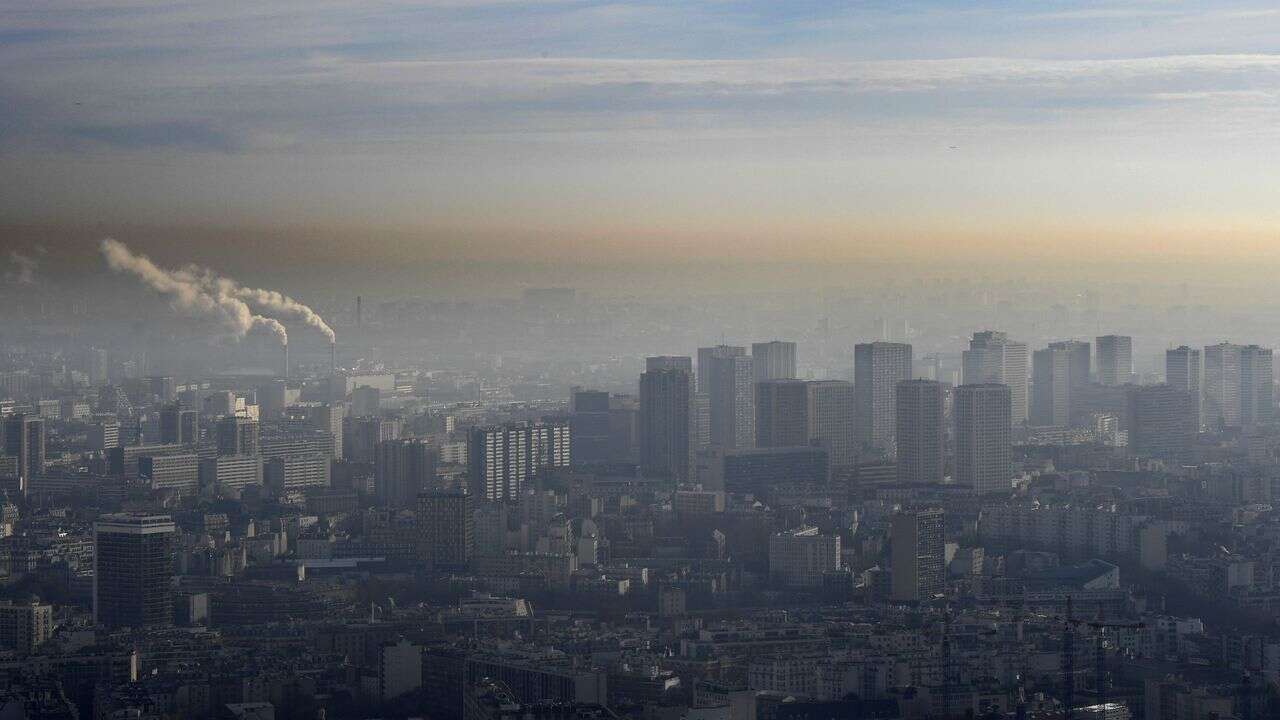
(328, 418)
(878, 367)
(446, 530)
(273, 398)
(666, 421)
(831, 420)
(1182, 370)
(179, 427)
(502, 458)
(730, 390)
(1115, 359)
(133, 569)
(774, 360)
(360, 437)
(918, 555)
(589, 426)
(921, 437)
(624, 429)
(782, 413)
(1222, 384)
(162, 388)
(366, 401)
(237, 436)
(1257, 386)
(24, 441)
(704, 363)
(1163, 420)
(1058, 372)
(993, 358)
(402, 470)
(983, 417)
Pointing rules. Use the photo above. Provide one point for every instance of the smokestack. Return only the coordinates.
(333, 358)
(286, 361)
(357, 311)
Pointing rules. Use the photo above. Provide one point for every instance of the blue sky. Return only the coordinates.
(781, 129)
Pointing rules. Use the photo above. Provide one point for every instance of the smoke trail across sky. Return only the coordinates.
(187, 293)
(270, 302)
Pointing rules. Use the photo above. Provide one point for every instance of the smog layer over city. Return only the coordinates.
(654, 360)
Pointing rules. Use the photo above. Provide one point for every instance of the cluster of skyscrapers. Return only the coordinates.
(734, 400)
(754, 402)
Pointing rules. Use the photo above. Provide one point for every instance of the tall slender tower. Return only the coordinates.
(831, 423)
(730, 388)
(1059, 371)
(983, 437)
(918, 555)
(993, 358)
(1257, 386)
(1182, 370)
(24, 440)
(1222, 385)
(774, 360)
(1115, 359)
(878, 367)
(133, 569)
(666, 418)
(921, 436)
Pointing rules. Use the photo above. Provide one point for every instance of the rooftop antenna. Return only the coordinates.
(946, 663)
(1068, 663)
(1246, 697)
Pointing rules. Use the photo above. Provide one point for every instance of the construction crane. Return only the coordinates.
(1068, 663)
(946, 663)
(1100, 625)
(1246, 697)
(1021, 713)
(949, 674)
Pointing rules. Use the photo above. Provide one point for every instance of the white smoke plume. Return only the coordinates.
(287, 306)
(270, 302)
(186, 292)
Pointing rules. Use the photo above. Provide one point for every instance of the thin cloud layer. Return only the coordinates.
(460, 112)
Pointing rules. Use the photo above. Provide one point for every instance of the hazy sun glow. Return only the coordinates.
(599, 131)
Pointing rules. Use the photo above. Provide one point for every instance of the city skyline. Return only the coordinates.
(639, 360)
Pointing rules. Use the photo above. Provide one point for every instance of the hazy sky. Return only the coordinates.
(694, 128)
